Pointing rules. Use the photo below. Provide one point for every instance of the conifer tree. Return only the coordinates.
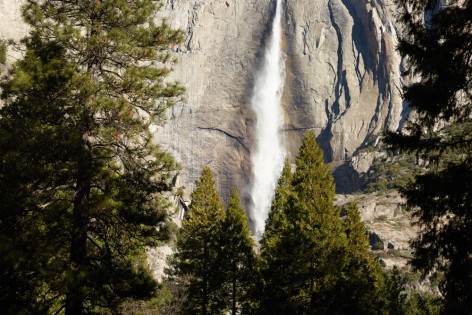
(81, 180)
(199, 248)
(3, 52)
(274, 255)
(312, 262)
(309, 246)
(276, 217)
(436, 44)
(362, 289)
(317, 230)
(238, 260)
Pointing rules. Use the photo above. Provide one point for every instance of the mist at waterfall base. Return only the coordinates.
(269, 154)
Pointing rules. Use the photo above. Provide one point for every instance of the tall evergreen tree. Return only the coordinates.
(199, 248)
(309, 244)
(437, 45)
(276, 218)
(403, 300)
(3, 52)
(81, 181)
(317, 229)
(312, 261)
(238, 260)
(274, 255)
(362, 288)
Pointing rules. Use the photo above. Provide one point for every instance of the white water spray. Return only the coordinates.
(268, 157)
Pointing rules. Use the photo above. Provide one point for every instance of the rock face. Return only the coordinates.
(385, 217)
(342, 82)
(389, 225)
(345, 72)
(11, 24)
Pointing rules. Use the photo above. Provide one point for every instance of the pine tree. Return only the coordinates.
(396, 292)
(274, 255)
(309, 246)
(362, 289)
(199, 248)
(403, 300)
(318, 230)
(276, 217)
(238, 260)
(81, 180)
(312, 261)
(3, 52)
(436, 44)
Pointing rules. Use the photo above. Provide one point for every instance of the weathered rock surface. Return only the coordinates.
(388, 225)
(11, 24)
(342, 81)
(157, 260)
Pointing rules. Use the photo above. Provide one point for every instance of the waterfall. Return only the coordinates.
(269, 154)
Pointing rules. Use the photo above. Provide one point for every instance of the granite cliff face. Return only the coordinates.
(342, 82)
(11, 24)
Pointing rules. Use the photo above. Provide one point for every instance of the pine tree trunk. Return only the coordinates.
(78, 250)
(234, 309)
(205, 279)
(80, 214)
(312, 285)
(235, 278)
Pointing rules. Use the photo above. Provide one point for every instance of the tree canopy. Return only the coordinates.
(437, 46)
(312, 261)
(82, 183)
(238, 260)
(198, 248)
(215, 252)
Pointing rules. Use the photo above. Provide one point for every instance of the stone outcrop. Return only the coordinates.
(157, 260)
(389, 225)
(385, 214)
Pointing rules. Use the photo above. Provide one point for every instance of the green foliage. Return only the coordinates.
(238, 260)
(440, 134)
(391, 172)
(275, 255)
(198, 246)
(362, 289)
(81, 182)
(422, 303)
(312, 262)
(403, 300)
(175, 296)
(3, 51)
(446, 248)
(276, 219)
(302, 248)
(160, 304)
(407, 254)
(396, 290)
(215, 254)
(368, 149)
